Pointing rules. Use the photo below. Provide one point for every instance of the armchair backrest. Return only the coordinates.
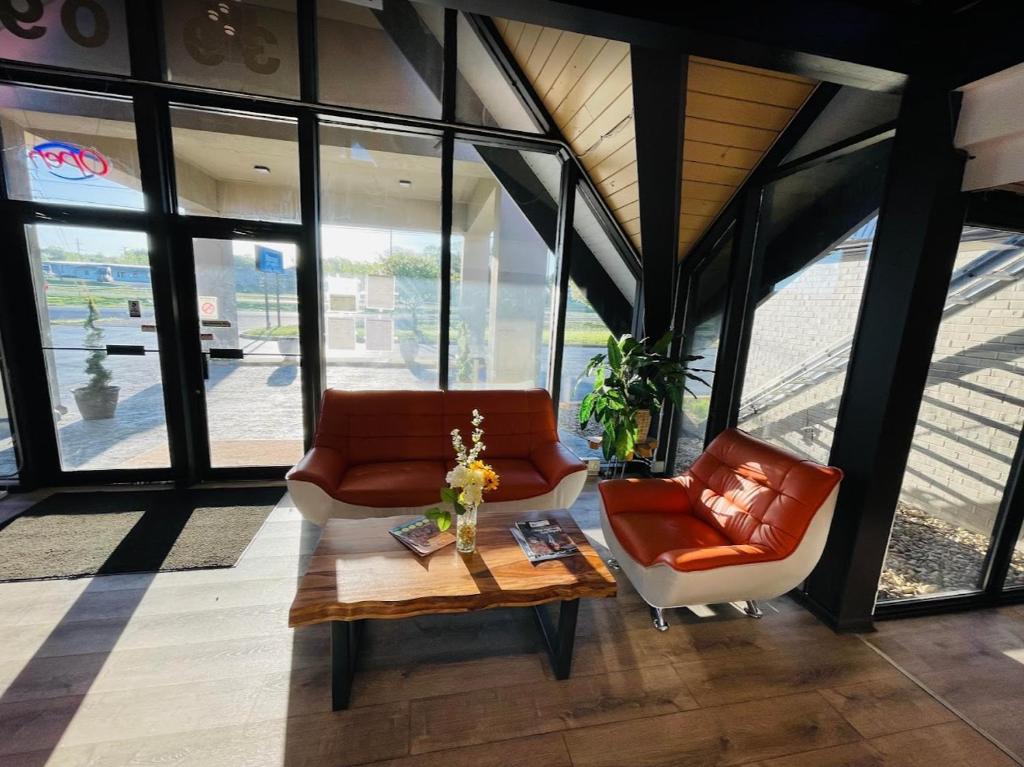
(756, 493)
(375, 426)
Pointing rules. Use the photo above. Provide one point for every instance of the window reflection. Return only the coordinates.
(69, 149)
(381, 258)
(388, 59)
(503, 267)
(235, 166)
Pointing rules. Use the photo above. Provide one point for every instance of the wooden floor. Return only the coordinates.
(199, 668)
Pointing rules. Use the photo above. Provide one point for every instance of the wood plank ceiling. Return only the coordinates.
(733, 115)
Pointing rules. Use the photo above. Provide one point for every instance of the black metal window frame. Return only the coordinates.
(742, 217)
(170, 234)
(1003, 211)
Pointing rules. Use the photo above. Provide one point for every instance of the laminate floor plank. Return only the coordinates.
(198, 668)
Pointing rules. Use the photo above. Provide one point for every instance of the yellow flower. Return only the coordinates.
(490, 476)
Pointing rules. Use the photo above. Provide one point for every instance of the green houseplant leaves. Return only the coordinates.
(633, 375)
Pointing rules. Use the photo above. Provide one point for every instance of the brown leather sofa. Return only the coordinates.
(379, 454)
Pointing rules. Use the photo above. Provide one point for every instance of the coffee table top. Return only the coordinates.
(359, 570)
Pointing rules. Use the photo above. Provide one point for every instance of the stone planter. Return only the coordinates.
(288, 346)
(96, 404)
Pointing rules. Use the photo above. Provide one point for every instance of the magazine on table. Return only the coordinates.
(542, 540)
(421, 536)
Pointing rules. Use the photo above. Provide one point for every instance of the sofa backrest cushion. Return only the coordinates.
(515, 422)
(755, 493)
(376, 426)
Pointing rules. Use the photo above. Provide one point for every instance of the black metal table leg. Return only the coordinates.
(559, 640)
(344, 647)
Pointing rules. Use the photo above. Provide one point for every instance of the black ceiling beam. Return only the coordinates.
(982, 40)
(841, 42)
(659, 112)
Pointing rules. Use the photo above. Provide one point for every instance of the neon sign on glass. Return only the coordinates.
(69, 161)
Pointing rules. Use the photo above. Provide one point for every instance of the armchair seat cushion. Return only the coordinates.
(648, 536)
(392, 483)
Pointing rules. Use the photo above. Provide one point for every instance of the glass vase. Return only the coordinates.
(465, 531)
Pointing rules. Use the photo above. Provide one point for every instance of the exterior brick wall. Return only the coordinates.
(973, 406)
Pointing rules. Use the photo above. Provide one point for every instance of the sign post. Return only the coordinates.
(270, 261)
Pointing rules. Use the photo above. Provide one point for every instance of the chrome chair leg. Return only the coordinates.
(752, 610)
(613, 563)
(658, 616)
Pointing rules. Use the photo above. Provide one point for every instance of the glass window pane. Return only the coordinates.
(482, 94)
(967, 428)
(386, 58)
(93, 291)
(1015, 578)
(248, 46)
(817, 225)
(380, 258)
(69, 149)
(503, 267)
(248, 302)
(586, 334)
(8, 448)
(702, 337)
(235, 166)
(74, 34)
(601, 291)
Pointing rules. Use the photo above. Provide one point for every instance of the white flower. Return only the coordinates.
(472, 495)
(474, 477)
(457, 477)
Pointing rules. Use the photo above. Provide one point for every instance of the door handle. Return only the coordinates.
(226, 354)
(126, 350)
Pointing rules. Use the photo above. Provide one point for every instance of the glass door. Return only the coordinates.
(94, 296)
(249, 333)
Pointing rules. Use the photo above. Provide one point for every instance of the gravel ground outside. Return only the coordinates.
(930, 556)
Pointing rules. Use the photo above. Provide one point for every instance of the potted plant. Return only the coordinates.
(633, 379)
(97, 400)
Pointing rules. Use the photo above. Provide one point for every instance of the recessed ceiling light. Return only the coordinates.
(229, 30)
(404, 183)
(261, 169)
(213, 15)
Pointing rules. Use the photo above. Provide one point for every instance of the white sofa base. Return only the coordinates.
(317, 506)
(662, 586)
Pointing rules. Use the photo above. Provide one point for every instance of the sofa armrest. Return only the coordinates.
(555, 462)
(323, 466)
(643, 495)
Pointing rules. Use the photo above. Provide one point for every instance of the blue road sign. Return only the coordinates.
(269, 260)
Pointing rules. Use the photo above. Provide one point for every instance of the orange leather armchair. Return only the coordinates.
(379, 454)
(748, 521)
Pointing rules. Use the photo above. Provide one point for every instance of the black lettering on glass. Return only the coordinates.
(12, 19)
(256, 58)
(101, 23)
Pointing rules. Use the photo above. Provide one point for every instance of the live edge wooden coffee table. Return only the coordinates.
(360, 572)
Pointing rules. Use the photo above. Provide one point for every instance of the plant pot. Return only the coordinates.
(288, 346)
(409, 347)
(96, 404)
(643, 425)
